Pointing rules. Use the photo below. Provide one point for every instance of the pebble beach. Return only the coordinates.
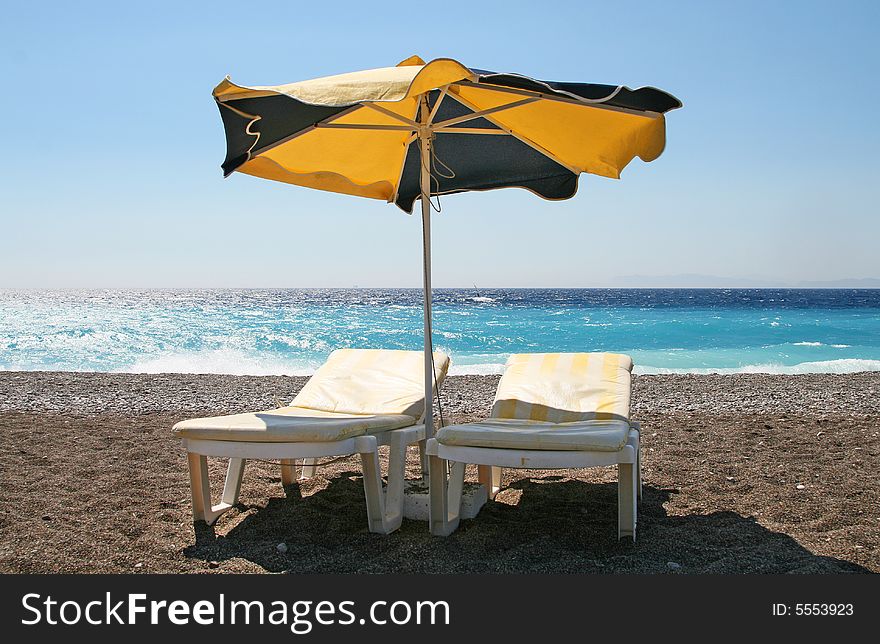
(744, 473)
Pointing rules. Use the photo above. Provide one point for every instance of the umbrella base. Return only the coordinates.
(416, 500)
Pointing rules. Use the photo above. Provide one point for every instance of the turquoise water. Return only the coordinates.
(292, 331)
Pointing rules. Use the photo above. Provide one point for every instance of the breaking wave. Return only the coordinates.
(224, 361)
(220, 361)
(853, 365)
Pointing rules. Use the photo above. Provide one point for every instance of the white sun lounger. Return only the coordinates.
(357, 401)
(551, 411)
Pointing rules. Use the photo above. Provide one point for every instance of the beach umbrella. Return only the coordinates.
(419, 130)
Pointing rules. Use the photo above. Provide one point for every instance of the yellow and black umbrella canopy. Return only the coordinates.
(359, 133)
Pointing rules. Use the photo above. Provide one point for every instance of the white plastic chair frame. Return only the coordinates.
(446, 465)
(384, 503)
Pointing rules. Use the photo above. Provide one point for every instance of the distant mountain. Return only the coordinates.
(864, 282)
(698, 280)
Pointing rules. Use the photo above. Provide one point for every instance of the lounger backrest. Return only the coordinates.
(370, 381)
(564, 387)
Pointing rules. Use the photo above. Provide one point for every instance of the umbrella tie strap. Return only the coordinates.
(434, 172)
(437, 160)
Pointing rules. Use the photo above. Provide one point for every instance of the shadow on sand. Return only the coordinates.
(556, 526)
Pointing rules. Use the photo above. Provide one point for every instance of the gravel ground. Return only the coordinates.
(743, 473)
(83, 394)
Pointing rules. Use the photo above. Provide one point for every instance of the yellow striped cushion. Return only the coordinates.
(564, 387)
(289, 425)
(500, 433)
(370, 381)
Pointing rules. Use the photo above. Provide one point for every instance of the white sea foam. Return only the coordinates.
(852, 365)
(225, 361)
(240, 363)
(483, 369)
(826, 366)
(820, 344)
(298, 342)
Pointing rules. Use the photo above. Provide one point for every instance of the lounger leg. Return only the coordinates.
(456, 486)
(636, 441)
(309, 467)
(445, 497)
(200, 486)
(394, 490)
(423, 459)
(639, 471)
(232, 487)
(626, 501)
(288, 471)
(490, 477)
(384, 508)
(438, 504)
(373, 491)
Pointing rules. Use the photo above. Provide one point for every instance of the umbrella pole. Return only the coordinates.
(438, 477)
(425, 180)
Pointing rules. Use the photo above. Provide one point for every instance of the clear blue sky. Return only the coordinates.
(111, 145)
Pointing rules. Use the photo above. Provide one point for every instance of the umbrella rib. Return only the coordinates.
(560, 99)
(251, 93)
(482, 113)
(470, 130)
(443, 91)
(412, 137)
(305, 130)
(413, 125)
(402, 167)
(364, 126)
(528, 142)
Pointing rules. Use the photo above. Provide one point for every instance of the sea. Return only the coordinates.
(291, 331)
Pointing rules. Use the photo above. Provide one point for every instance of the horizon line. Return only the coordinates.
(439, 288)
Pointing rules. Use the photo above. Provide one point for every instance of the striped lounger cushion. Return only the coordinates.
(555, 401)
(356, 392)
